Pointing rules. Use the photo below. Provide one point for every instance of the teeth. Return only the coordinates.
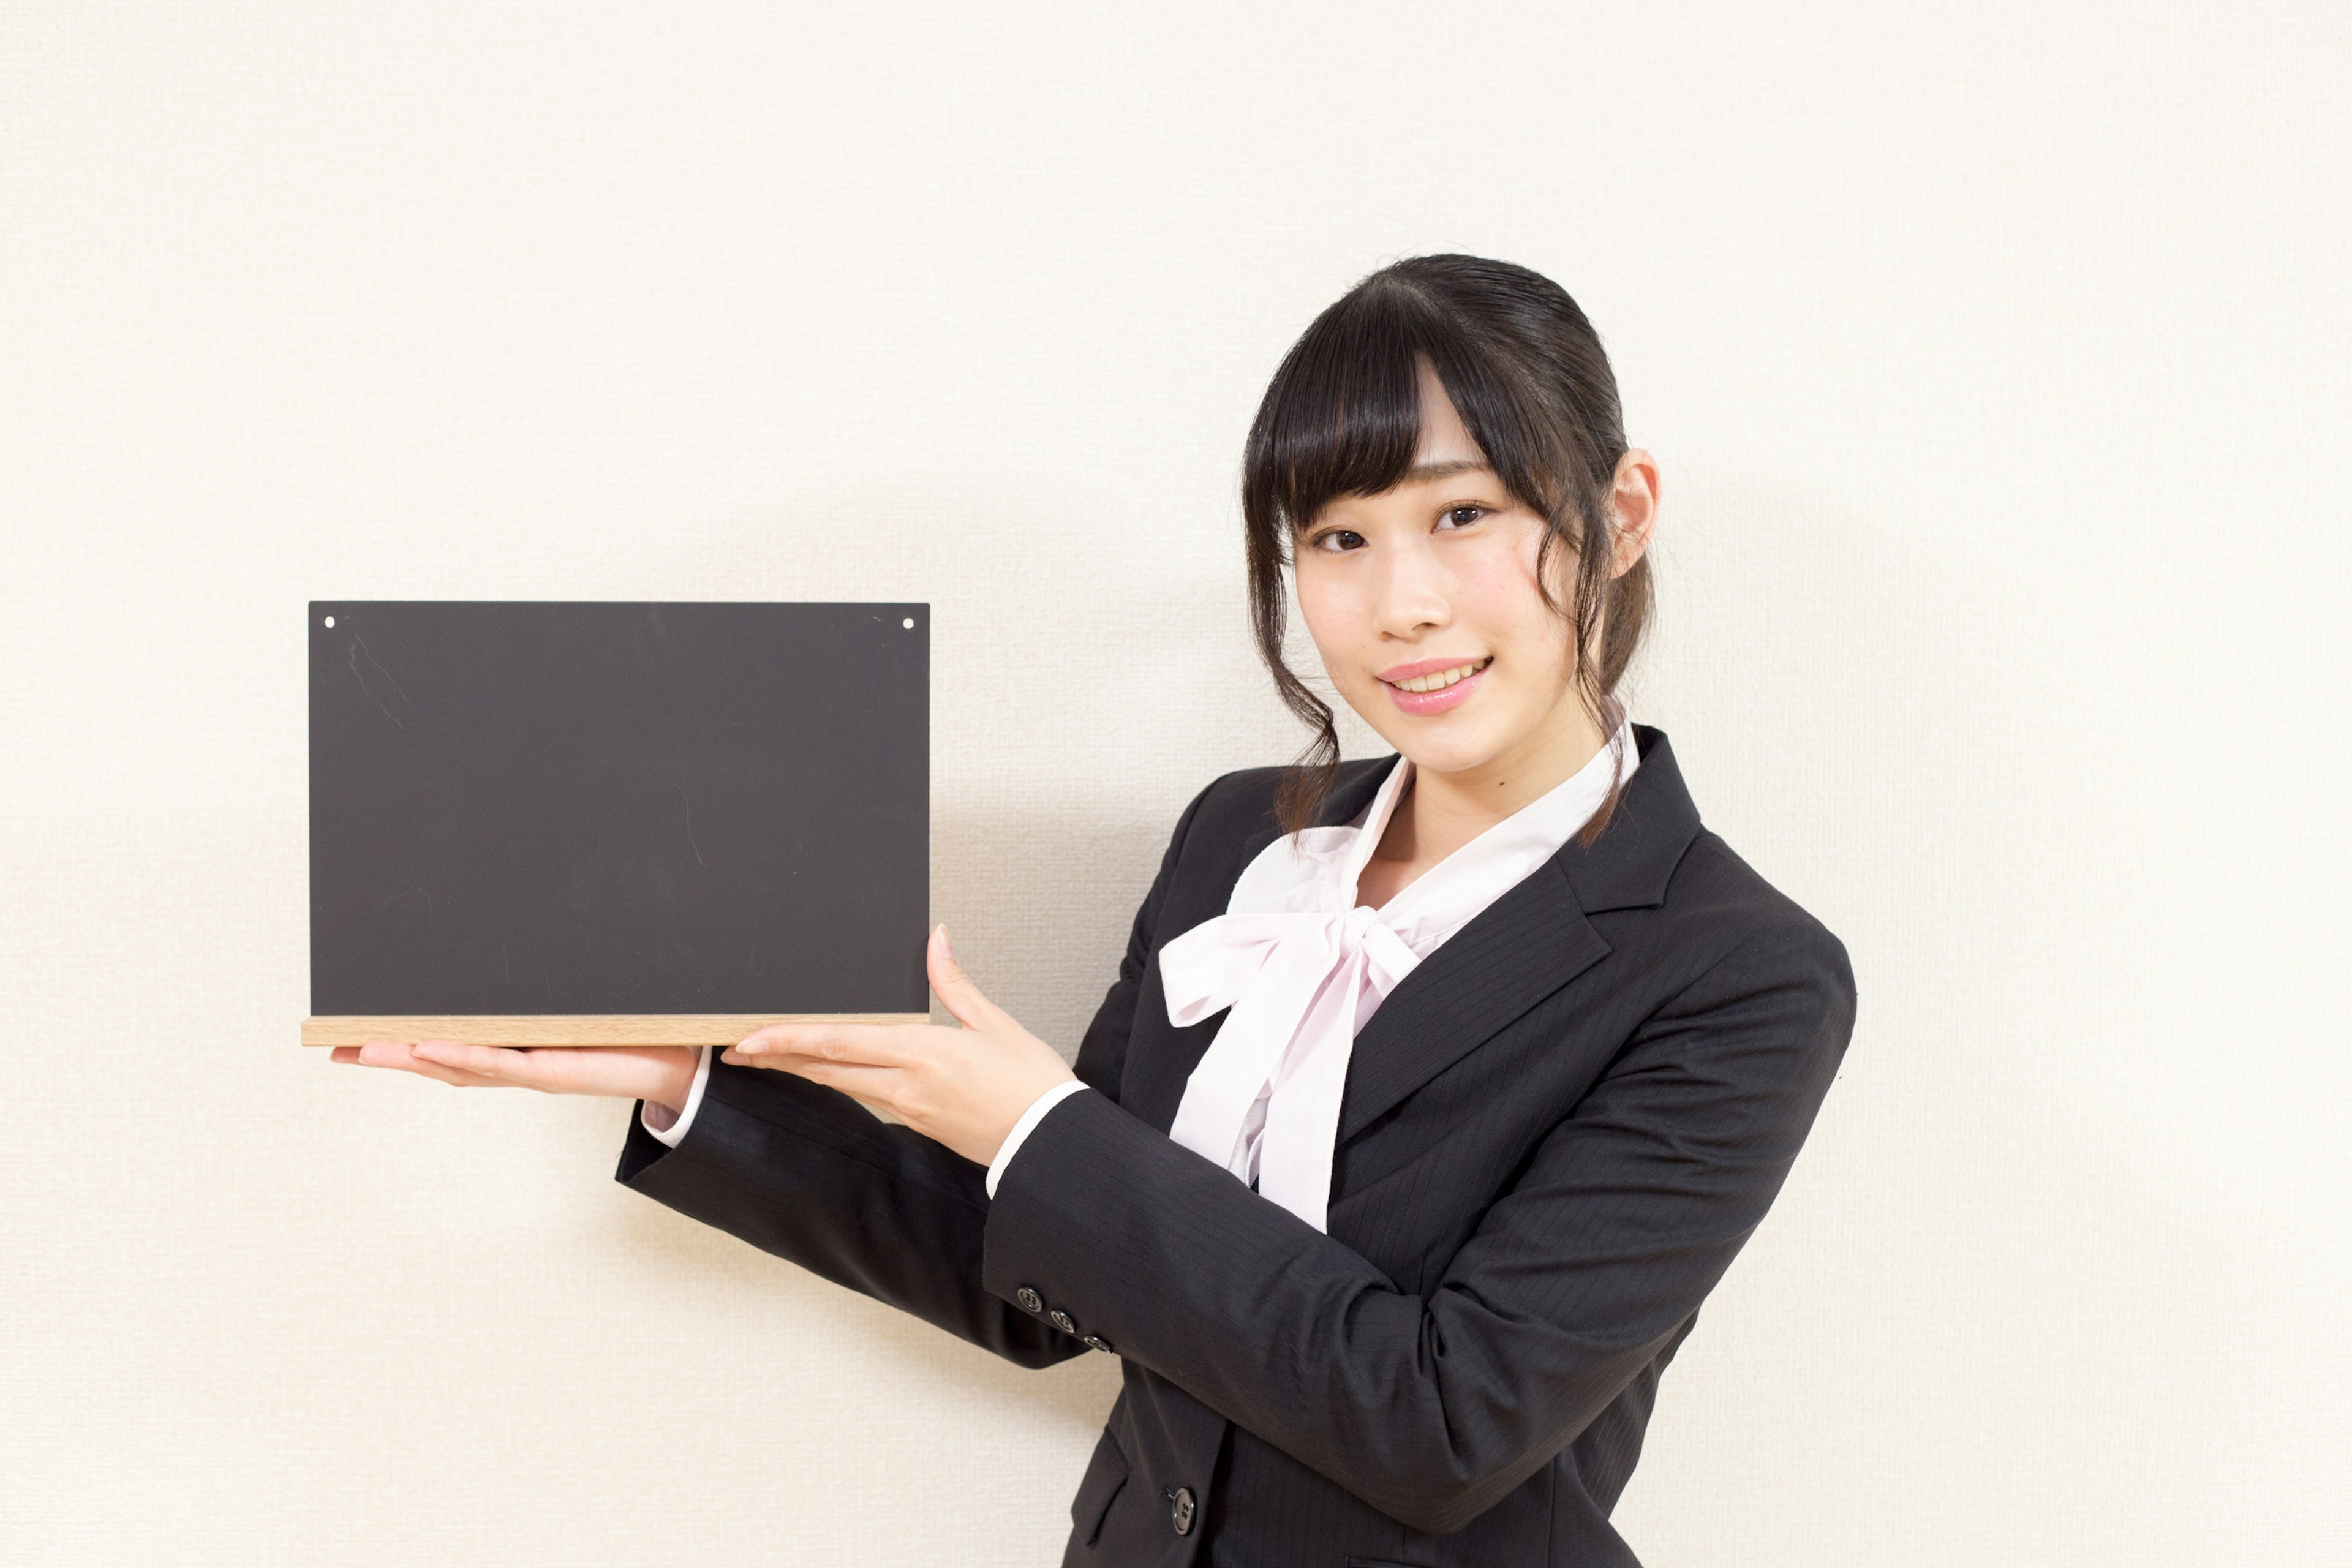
(1441, 679)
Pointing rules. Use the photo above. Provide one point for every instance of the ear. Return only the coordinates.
(1633, 501)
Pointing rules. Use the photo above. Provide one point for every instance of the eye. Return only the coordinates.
(1460, 517)
(1337, 538)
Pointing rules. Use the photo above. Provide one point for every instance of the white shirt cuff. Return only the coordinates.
(676, 1130)
(1027, 1124)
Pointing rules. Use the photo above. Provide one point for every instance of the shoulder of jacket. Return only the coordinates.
(1713, 890)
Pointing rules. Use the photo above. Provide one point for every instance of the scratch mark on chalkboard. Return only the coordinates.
(690, 822)
(411, 892)
(360, 646)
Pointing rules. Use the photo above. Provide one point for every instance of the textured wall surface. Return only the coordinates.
(1996, 365)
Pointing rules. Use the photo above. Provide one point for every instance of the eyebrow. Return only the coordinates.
(1430, 473)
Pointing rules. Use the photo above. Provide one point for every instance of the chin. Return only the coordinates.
(1452, 759)
(1446, 748)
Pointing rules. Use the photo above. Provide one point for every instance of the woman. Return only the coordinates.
(1435, 1092)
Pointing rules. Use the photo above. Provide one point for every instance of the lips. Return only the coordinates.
(1433, 675)
(1434, 684)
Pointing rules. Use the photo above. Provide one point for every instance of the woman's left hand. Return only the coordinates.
(965, 1087)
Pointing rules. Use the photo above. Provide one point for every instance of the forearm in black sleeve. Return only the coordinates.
(1433, 1408)
(805, 1173)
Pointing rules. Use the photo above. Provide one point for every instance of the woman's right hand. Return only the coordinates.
(658, 1075)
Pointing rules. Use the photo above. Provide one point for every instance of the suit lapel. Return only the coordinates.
(1528, 944)
(1521, 948)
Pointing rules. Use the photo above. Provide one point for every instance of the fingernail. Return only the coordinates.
(947, 944)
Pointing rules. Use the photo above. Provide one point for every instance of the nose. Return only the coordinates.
(1411, 594)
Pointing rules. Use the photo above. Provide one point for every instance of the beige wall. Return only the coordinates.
(1996, 367)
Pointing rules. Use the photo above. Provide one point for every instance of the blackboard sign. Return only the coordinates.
(615, 823)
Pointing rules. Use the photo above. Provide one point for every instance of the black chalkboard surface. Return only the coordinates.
(615, 823)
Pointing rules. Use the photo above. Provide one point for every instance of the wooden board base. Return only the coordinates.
(595, 1030)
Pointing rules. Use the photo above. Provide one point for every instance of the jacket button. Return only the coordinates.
(1062, 1320)
(1028, 1300)
(1179, 1510)
(1096, 1342)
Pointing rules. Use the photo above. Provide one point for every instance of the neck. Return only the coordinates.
(1441, 812)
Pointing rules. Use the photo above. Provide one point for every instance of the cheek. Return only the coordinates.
(1327, 603)
(1496, 593)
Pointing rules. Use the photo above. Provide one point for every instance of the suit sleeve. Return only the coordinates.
(807, 1174)
(1432, 1408)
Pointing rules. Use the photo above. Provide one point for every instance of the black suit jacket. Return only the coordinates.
(1559, 1130)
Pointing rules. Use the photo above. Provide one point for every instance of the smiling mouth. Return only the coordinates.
(1439, 679)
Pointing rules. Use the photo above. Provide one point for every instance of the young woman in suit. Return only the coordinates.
(1435, 1092)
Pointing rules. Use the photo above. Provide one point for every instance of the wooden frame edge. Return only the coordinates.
(576, 1029)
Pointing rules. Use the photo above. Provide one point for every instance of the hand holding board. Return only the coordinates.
(615, 824)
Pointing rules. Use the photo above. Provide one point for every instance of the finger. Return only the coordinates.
(868, 1045)
(867, 1085)
(499, 1062)
(402, 1056)
(953, 987)
(456, 1079)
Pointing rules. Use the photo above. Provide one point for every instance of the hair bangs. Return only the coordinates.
(1343, 415)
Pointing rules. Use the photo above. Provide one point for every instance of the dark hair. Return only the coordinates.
(1527, 374)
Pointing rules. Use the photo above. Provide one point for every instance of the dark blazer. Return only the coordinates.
(1558, 1131)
